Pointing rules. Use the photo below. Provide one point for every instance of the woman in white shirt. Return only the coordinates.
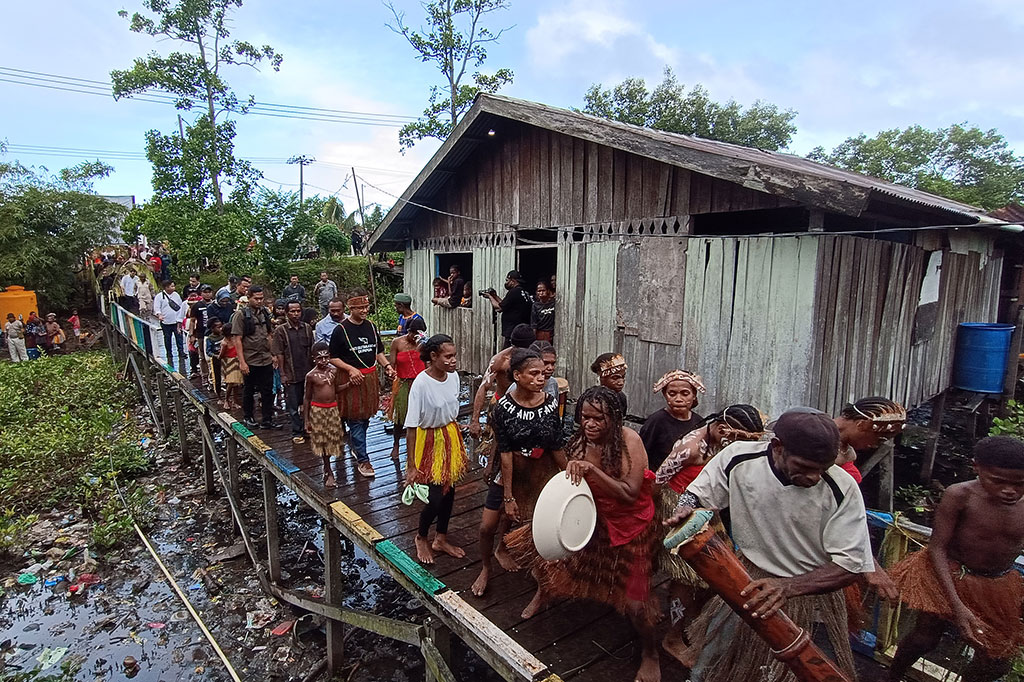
(437, 455)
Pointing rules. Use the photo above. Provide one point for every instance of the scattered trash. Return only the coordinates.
(255, 620)
(88, 579)
(175, 500)
(232, 552)
(283, 629)
(50, 582)
(27, 579)
(256, 649)
(195, 586)
(31, 627)
(131, 666)
(179, 616)
(156, 626)
(50, 657)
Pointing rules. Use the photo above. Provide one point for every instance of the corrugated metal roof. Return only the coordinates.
(806, 181)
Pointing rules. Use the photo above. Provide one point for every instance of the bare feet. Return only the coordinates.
(650, 668)
(329, 481)
(505, 559)
(424, 553)
(480, 584)
(441, 544)
(676, 646)
(535, 605)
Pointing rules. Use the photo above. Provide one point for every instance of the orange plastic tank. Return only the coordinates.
(19, 301)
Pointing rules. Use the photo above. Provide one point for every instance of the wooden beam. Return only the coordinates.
(333, 592)
(147, 398)
(270, 511)
(208, 452)
(886, 481)
(179, 414)
(935, 424)
(165, 408)
(1012, 362)
(437, 651)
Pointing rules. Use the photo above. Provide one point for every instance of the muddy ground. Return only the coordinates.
(96, 611)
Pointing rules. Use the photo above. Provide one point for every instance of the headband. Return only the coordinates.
(667, 378)
(890, 422)
(358, 302)
(614, 365)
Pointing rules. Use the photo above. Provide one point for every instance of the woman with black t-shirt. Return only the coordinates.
(530, 441)
(663, 428)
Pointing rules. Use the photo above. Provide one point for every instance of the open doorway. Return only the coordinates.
(536, 263)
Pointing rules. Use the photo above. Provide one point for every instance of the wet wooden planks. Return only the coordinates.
(571, 637)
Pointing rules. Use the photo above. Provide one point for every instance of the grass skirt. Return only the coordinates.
(672, 564)
(399, 406)
(617, 576)
(232, 371)
(743, 655)
(358, 402)
(324, 427)
(995, 601)
(441, 454)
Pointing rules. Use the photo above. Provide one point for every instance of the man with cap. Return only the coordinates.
(798, 524)
(515, 308)
(403, 304)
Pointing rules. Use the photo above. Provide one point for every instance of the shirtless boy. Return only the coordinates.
(966, 574)
(320, 412)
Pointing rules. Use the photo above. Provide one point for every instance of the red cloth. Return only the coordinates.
(408, 364)
(230, 351)
(626, 522)
(685, 477)
(851, 468)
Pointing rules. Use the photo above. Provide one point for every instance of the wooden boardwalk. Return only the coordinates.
(567, 640)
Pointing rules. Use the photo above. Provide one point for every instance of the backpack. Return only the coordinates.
(249, 322)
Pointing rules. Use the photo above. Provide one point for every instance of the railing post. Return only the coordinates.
(334, 588)
(179, 414)
(165, 408)
(270, 511)
(208, 454)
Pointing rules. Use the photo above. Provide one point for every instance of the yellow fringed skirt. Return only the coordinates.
(441, 454)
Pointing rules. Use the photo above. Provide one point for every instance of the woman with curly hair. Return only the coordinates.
(616, 565)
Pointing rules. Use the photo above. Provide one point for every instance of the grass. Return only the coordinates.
(65, 442)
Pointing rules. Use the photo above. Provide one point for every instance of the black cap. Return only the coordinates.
(206, 287)
(514, 274)
(811, 435)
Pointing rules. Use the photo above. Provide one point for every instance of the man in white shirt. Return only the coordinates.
(798, 523)
(130, 291)
(170, 310)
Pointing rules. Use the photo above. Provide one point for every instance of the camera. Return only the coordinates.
(487, 292)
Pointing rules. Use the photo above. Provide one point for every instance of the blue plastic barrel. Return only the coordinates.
(981, 355)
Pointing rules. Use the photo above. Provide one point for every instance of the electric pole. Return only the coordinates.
(303, 161)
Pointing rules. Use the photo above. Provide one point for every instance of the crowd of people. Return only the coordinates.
(30, 339)
(786, 491)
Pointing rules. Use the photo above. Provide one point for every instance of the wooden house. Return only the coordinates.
(782, 281)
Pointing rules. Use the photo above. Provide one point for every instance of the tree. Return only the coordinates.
(48, 223)
(960, 162)
(671, 108)
(454, 40)
(278, 225)
(205, 157)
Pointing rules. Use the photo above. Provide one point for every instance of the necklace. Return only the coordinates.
(351, 348)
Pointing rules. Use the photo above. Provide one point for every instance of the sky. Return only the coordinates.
(845, 68)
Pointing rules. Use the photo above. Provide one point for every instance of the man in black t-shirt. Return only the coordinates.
(356, 350)
(198, 323)
(515, 308)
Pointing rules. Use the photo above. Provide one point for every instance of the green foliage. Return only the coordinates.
(671, 108)
(112, 525)
(454, 40)
(384, 314)
(47, 222)
(331, 241)
(197, 165)
(279, 226)
(69, 668)
(13, 528)
(960, 162)
(913, 497)
(56, 447)
(1010, 425)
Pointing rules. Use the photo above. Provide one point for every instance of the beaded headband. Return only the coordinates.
(613, 365)
(358, 302)
(694, 380)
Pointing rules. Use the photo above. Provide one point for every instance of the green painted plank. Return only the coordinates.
(239, 427)
(409, 567)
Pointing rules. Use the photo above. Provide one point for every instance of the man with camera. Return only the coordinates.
(514, 308)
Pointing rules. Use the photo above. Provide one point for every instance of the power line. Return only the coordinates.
(286, 111)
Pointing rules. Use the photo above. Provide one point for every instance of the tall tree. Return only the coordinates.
(195, 76)
(455, 40)
(48, 223)
(960, 162)
(671, 108)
